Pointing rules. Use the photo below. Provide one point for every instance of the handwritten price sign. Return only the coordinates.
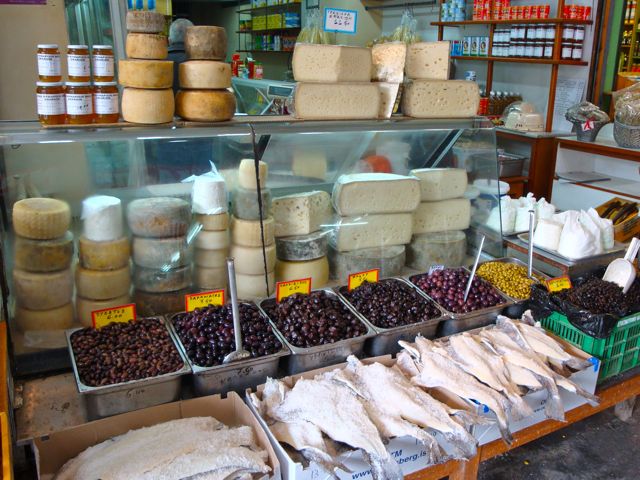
(123, 314)
(558, 284)
(285, 289)
(203, 299)
(357, 279)
(340, 21)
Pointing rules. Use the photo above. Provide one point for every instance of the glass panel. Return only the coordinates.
(89, 22)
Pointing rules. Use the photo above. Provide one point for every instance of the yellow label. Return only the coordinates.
(203, 299)
(558, 284)
(285, 289)
(123, 314)
(357, 279)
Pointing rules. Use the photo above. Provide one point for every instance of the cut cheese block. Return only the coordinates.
(104, 255)
(317, 270)
(145, 21)
(43, 255)
(162, 253)
(309, 163)
(42, 291)
(368, 231)
(390, 261)
(210, 258)
(301, 213)
(146, 46)
(209, 194)
(245, 204)
(154, 280)
(145, 73)
(212, 240)
(205, 105)
(331, 63)
(152, 304)
(302, 247)
(102, 285)
(159, 217)
(85, 307)
(102, 218)
(219, 221)
(362, 193)
(41, 218)
(388, 99)
(428, 60)
(210, 278)
(441, 183)
(248, 233)
(253, 287)
(388, 61)
(440, 99)
(147, 106)
(250, 261)
(206, 43)
(337, 101)
(59, 318)
(247, 174)
(442, 216)
(438, 248)
(204, 74)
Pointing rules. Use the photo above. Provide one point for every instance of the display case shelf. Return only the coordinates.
(544, 61)
(551, 21)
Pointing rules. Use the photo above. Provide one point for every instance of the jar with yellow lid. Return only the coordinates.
(79, 101)
(105, 102)
(103, 69)
(49, 69)
(78, 64)
(51, 103)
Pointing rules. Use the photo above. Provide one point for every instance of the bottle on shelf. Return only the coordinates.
(48, 55)
(78, 63)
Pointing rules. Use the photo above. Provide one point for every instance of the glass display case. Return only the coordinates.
(372, 213)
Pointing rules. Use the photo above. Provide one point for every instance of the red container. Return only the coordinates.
(587, 13)
(251, 67)
(545, 12)
(526, 12)
(573, 11)
(580, 12)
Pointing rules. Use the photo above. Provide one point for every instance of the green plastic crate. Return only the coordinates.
(617, 353)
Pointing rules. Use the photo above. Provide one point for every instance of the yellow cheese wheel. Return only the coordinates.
(85, 306)
(41, 218)
(205, 74)
(111, 255)
(55, 319)
(210, 258)
(210, 278)
(148, 46)
(42, 291)
(250, 261)
(253, 287)
(150, 304)
(102, 284)
(147, 106)
(145, 21)
(205, 105)
(205, 42)
(249, 234)
(215, 222)
(145, 73)
(317, 270)
(43, 255)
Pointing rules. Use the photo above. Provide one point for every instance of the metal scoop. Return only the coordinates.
(239, 353)
(473, 270)
(621, 271)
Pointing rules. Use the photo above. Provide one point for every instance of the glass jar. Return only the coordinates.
(541, 32)
(578, 33)
(78, 64)
(103, 70)
(567, 33)
(577, 52)
(513, 33)
(48, 56)
(513, 49)
(550, 32)
(538, 50)
(531, 32)
(567, 51)
(520, 48)
(105, 102)
(528, 49)
(548, 50)
(79, 101)
(522, 32)
(50, 103)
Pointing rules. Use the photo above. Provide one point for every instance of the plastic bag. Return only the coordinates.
(313, 31)
(627, 105)
(406, 32)
(522, 213)
(606, 227)
(593, 228)
(585, 111)
(504, 217)
(544, 209)
(208, 193)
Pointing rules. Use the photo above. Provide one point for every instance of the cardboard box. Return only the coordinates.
(52, 451)
(626, 230)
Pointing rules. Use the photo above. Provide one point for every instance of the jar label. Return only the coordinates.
(106, 103)
(49, 64)
(103, 65)
(78, 65)
(79, 104)
(50, 103)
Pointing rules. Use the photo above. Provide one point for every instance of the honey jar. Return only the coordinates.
(48, 56)
(105, 102)
(50, 103)
(78, 65)
(103, 70)
(79, 101)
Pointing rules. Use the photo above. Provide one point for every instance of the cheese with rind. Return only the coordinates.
(102, 218)
(41, 218)
(102, 284)
(212, 223)
(331, 63)
(250, 261)
(390, 261)
(368, 231)
(209, 194)
(317, 270)
(204, 74)
(301, 213)
(159, 217)
(104, 255)
(154, 74)
(247, 174)
(248, 233)
(440, 183)
(302, 247)
(160, 252)
(253, 287)
(147, 106)
(151, 304)
(443, 216)
(85, 307)
(245, 205)
(42, 291)
(59, 318)
(153, 280)
(210, 258)
(388, 61)
(210, 278)
(43, 255)
(212, 240)
(336, 101)
(428, 60)
(145, 21)
(205, 42)
(205, 105)
(440, 99)
(147, 46)
(437, 248)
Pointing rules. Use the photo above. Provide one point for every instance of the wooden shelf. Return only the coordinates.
(510, 22)
(546, 61)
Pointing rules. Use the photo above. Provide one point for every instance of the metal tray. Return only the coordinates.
(617, 247)
(303, 359)
(133, 395)
(237, 376)
(386, 339)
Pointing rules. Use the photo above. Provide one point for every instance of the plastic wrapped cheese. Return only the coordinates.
(368, 231)
(102, 218)
(503, 217)
(390, 261)
(439, 248)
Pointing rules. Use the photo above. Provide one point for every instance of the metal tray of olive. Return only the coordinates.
(304, 359)
(386, 339)
(235, 376)
(107, 400)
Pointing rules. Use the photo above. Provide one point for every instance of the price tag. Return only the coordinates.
(357, 279)
(285, 289)
(435, 268)
(340, 21)
(122, 314)
(558, 284)
(203, 299)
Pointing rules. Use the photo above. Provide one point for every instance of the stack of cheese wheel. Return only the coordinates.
(42, 277)
(301, 244)
(210, 206)
(145, 74)
(205, 78)
(103, 278)
(438, 221)
(248, 225)
(161, 256)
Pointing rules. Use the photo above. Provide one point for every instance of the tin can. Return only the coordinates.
(587, 13)
(545, 11)
(526, 12)
(475, 46)
(466, 46)
(470, 75)
(483, 46)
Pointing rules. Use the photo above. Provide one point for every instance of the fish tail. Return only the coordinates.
(577, 364)
(520, 409)
(505, 433)
(465, 446)
(468, 419)
(383, 468)
(325, 462)
(553, 408)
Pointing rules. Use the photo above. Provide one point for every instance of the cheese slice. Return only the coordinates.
(158, 217)
(440, 99)
(85, 307)
(249, 260)
(42, 291)
(148, 46)
(388, 61)
(247, 174)
(317, 270)
(205, 105)
(428, 60)
(147, 106)
(210, 258)
(59, 318)
(104, 255)
(43, 255)
(253, 287)
(145, 73)
(102, 285)
(337, 101)
(205, 42)
(161, 253)
(41, 218)
(368, 231)
(442, 216)
(301, 213)
(331, 63)
(219, 221)
(388, 98)
(145, 21)
(210, 278)
(204, 74)
(440, 183)
(212, 240)
(155, 280)
(248, 233)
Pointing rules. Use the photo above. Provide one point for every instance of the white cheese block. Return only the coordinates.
(440, 99)
(210, 258)
(41, 218)
(247, 174)
(253, 287)
(331, 63)
(390, 261)
(158, 217)
(250, 261)
(210, 278)
(212, 223)
(145, 73)
(388, 98)
(438, 248)
(85, 307)
(440, 183)
(147, 106)
(547, 234)
(205, 105)
(388, 61)
(160, 252)
(147, 46)
(43, 255)
(209, 195)
(102, 285)
(309, 163)
(336, 101)
(245, 204)
(248, 233)
(152, 304)
(301, 213)
(59, 318)
(442, 216)
(145, 21)
(102, 218)
(212, 240)
(368, 231)
(317, 270)
(302, 247)
(155, 280)
(204, 74)
(428, 60)
(104, 255)
(42, 291)
(362, 193)
(205, 42)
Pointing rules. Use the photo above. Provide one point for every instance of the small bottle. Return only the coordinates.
(50, 103)
(48, 56)
(78, 64)
(103, 70)
(79, 100)
(105, 102)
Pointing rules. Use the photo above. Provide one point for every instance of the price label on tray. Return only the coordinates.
(285, 289)
(435, 268)
(122, 314)
(558, 284)
(357, 279)
(203, 299)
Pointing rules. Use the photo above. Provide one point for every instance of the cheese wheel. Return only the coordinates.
(302, 247)
(204, 74)
(104, 255)
(212, 223)
(205, 105)
(249, 260)
(102, 284)
(205, 42)
(212, 240)
(210, 258)
(42, 291)
(102, 218)
(247, 174)
(248, 233)
(161, 253)
(85, 306)
(317, 270)
(155, 280)
(210, 278)
(59, 318)
(152, 304)
(147, 46)
(253, 287)
(159, 217)
(245, 203)
(43, 255)
(41, 218)
(147, 106)
(145, 21)
(145, 73)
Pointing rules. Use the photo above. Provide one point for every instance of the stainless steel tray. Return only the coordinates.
(617, 247)
(237, 376)
(386, 339)
(303, 359)
(133, 395)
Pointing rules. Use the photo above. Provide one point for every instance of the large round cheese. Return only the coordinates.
(102, 218)
(205, 105)
(245, 204)
(212, 240)
(145, 21)
(155, 280)
(145, 73)
(317, 270)
(253, 287)
(59, 318)
(210, 258)
(205, 42)
(204, 74)
(42, 291)
(248, 233)
(158, 217)
(147, 106)
(212, 223)
(104, 255)
(250, 261)
(85, 306)
(302, 247)
(43, 255)
(161, 253)
(148, 46)
(210, 278)
(41, 218)
(102, 284)
(151, 304)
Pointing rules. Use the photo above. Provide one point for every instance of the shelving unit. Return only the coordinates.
(247, 37)
(627, 58)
